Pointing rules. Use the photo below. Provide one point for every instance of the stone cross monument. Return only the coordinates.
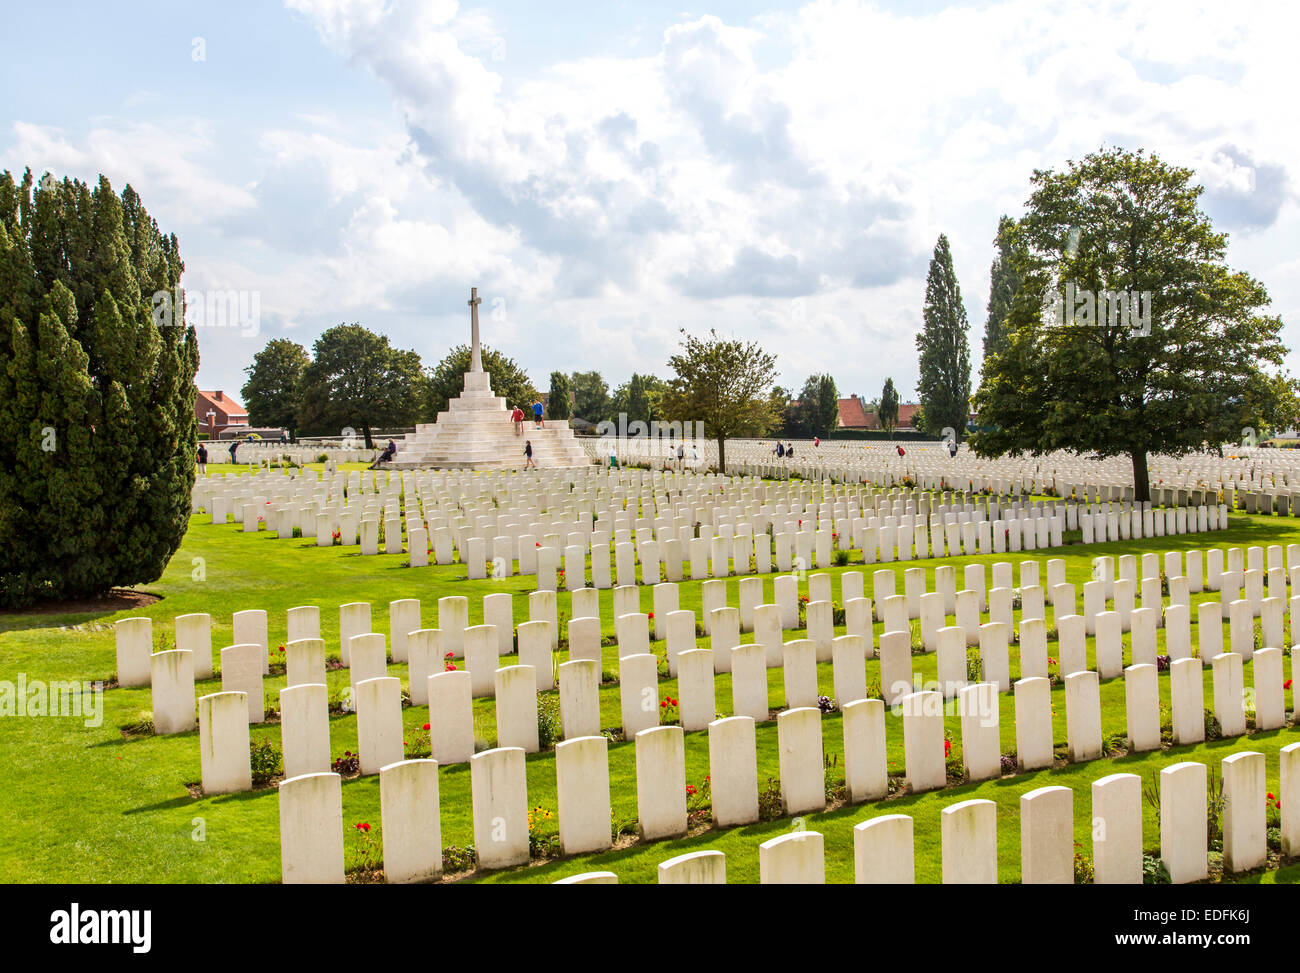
(476, 358)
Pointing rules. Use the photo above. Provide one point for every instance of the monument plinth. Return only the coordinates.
(475, 432)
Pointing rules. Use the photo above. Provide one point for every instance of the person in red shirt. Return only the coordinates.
(901, 451)
(517, 417)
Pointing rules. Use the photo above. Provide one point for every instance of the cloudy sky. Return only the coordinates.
(607, 173)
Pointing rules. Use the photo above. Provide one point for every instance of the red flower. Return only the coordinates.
(664, 705)
(947, 748)
(1269, 796)
(449, 668)
(652, 615)
(282, 648)
(425, 727)
(539, 543)
(1287, 684)
(361, 826)
(449, 655)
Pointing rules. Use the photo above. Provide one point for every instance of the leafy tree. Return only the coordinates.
(273, 392)
(1003, 284)
(817, 410)
(641, 398)
(888, 410)
(97, 428)
(824, 403)
(446, 380)
(944, 385)
(557, 402)
(357, 380)
(1176, 355)
(725, 384)
(590, 396)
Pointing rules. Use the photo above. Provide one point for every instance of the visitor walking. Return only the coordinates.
(952, 448)
(789, 450)
(234, 446)
(203, 460)
(901, 450)
(681, 456)
(817, 440)
(517, 417)
(537, 416)
(780, 450)
(528, 455)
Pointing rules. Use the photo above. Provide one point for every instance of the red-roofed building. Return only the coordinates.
(853, 413)
(217, 412)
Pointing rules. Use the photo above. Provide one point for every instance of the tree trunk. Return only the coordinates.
(365, 431)
(722, 453)
(1141, 479)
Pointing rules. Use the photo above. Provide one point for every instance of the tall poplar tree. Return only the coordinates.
(944, 385)
(1003, 284)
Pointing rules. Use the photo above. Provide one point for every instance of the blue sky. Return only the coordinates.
(609, 173)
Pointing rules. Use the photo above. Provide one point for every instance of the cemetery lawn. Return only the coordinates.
(96, 804)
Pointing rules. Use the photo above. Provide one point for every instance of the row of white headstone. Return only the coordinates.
(511, 535)
(311, 817)
(250, 626)
(305, 734)
(245, 662)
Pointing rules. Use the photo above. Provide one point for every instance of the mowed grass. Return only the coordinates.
(88, 804)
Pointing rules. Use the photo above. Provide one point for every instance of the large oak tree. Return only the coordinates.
(1128, 334)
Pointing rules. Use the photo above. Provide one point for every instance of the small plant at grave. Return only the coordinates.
(840, 558)
(549, 729)
(367, 852)
(838, 615)
(265, 761)
(953, 765)
(836, 787)
(770, 804)
(1214, 799)
(142, 725)
(974, 666)
(661, 669)
(340, 702)
(1083, 870)
(1273, 812)
(542, 841)
(699, 802)
(418, 744)
(874, 691)
(348, 765)
(1114, 744)
(918, 644)
(1166, 723)
(1151, 793)
(1213, 729)
(825, 704)
(619, 828)
(1162, 663)
(1154, 871)
(1009, 762)
(668, 713)
(608, 677)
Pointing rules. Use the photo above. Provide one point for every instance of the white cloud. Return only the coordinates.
(784, 178)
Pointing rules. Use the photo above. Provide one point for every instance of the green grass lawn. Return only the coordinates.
(91, 804)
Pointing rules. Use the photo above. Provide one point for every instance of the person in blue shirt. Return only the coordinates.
(537, 415)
